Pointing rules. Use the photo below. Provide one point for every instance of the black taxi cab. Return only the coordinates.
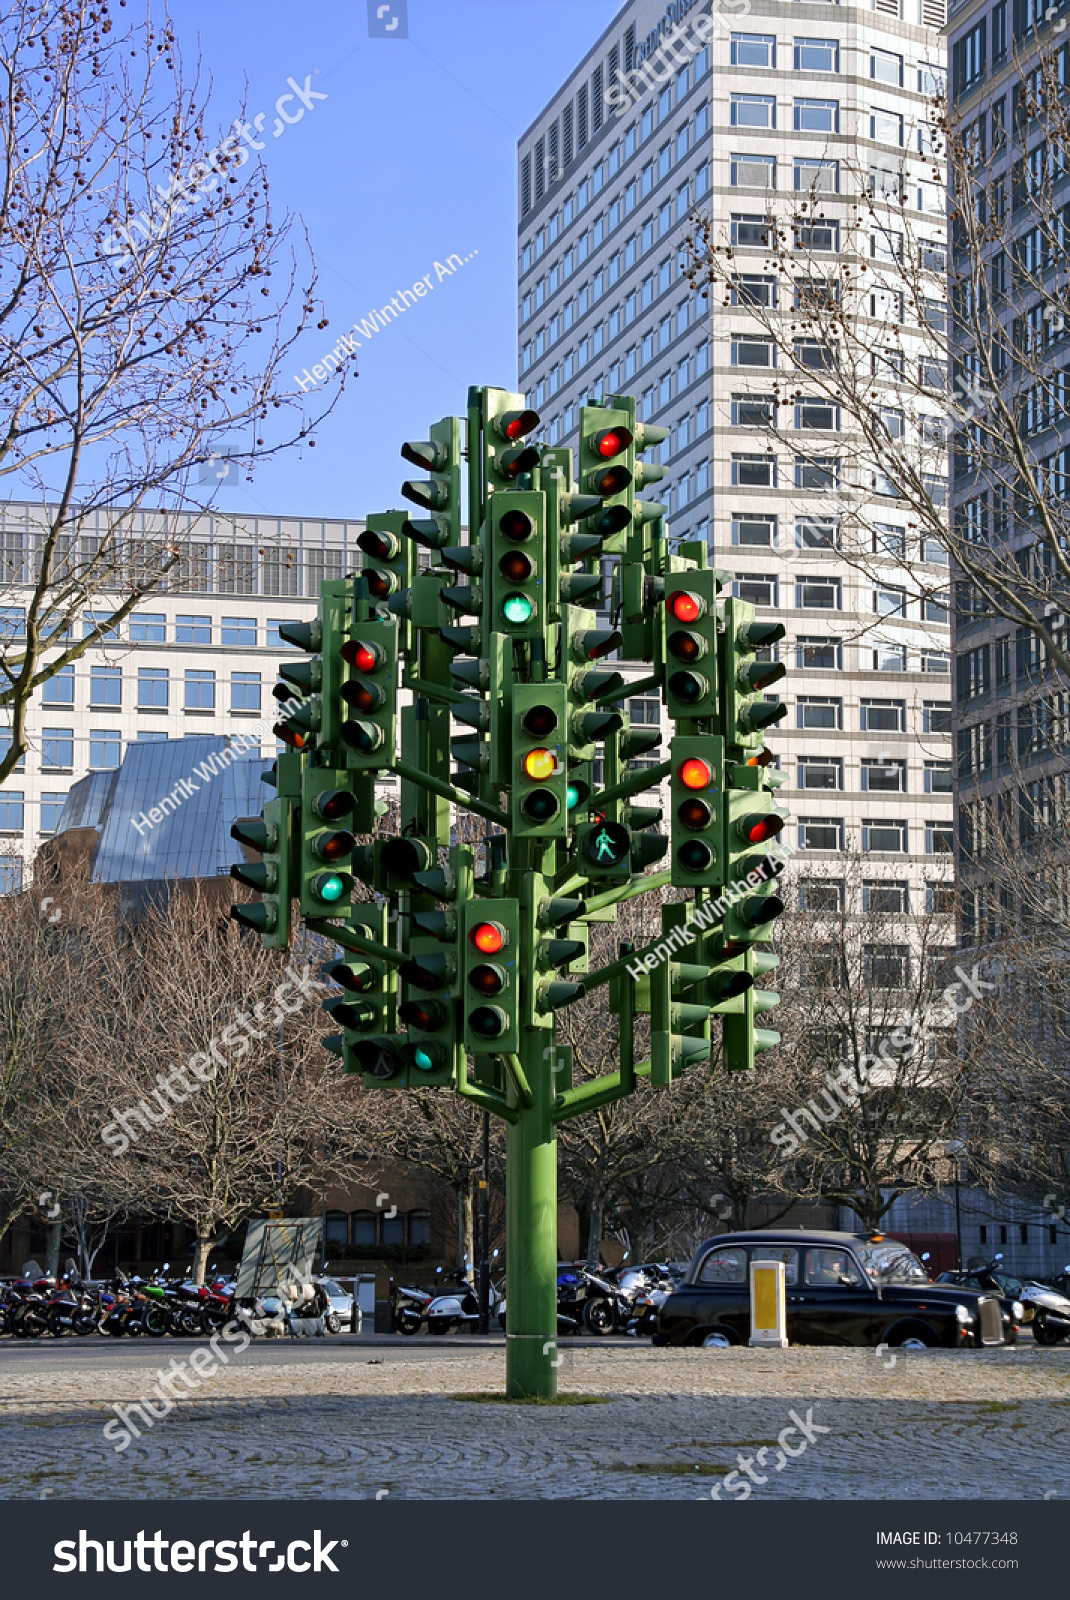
(841, 1288)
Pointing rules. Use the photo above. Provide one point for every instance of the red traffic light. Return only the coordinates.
(685, 606)
(513, 425)
(611, 441)
(488, 937)
(757, 829)
(364, 657)
(694, 773)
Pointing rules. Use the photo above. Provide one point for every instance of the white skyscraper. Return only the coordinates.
(678, 106)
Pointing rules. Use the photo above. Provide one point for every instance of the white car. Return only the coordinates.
(342, 1314)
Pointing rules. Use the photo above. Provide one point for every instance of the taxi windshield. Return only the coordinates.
(892, 1263)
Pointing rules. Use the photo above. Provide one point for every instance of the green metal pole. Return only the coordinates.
(531, 1230)
(531, 1172)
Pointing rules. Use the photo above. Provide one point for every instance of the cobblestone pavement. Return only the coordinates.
(352, 1424)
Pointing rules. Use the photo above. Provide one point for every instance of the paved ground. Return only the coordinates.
(355, 1419)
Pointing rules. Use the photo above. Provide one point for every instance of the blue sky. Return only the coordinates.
(410, 159)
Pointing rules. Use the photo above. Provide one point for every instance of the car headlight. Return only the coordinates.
(963, 1315)
(1017, 1310)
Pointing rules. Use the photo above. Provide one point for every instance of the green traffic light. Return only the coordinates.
(572, 796)
(517, 608)
(422, 1058)
(331, 887)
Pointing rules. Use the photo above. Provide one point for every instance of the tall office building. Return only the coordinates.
(199, 656)
(1010, 706)
(676, 107)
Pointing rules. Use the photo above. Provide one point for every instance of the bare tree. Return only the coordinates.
(875, 1071)
(214, 1089)
(140, 336)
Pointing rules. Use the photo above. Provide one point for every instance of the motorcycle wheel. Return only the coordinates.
(31, 1327)
(156, 1321)
(190, 1322)
(56, 1325)
(407, 1322)
(439, 1325)
(599, 1317)
(1043, 1333)
(332, 1322)
(85, 1322)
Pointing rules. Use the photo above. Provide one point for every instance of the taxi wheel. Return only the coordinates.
(914, 1341)
(716, 1341)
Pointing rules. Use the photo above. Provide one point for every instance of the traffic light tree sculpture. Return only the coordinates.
(474, 671)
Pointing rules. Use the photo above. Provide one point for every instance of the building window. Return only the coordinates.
(753, 50)
(817, 55)
(752, 352)
(886, 966)
(365, 1230)
(758, 531)
(238, 631)
(153, 688)
(817, 236)
(936, 716)
(817, 533)
(10, 876)
(820, 772)
(939, 899)
(885, 67)
(822, 712)
(884, 716)
(820, 414)
(819, 594)
(753, 111)
(419, 1227)
(245, 691)
(753, 289)
(821, 894)
(751, 233)
(884, 897)
(817, 116)
(938, 778)
(821, 833)
(884, 836)
(393, 1229)
(59, 689)
(200, 690)
(886, 127)
(105, 686)
(883, 777)
(889, 601)
(821, 473)
(51, 809)
(756, 588)
(753, 172)
(756, 472)
(105, 749)
(195, 630)
(819, 655)
(148, 627)
(12, 810)
(752, 411)
(57, 748)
